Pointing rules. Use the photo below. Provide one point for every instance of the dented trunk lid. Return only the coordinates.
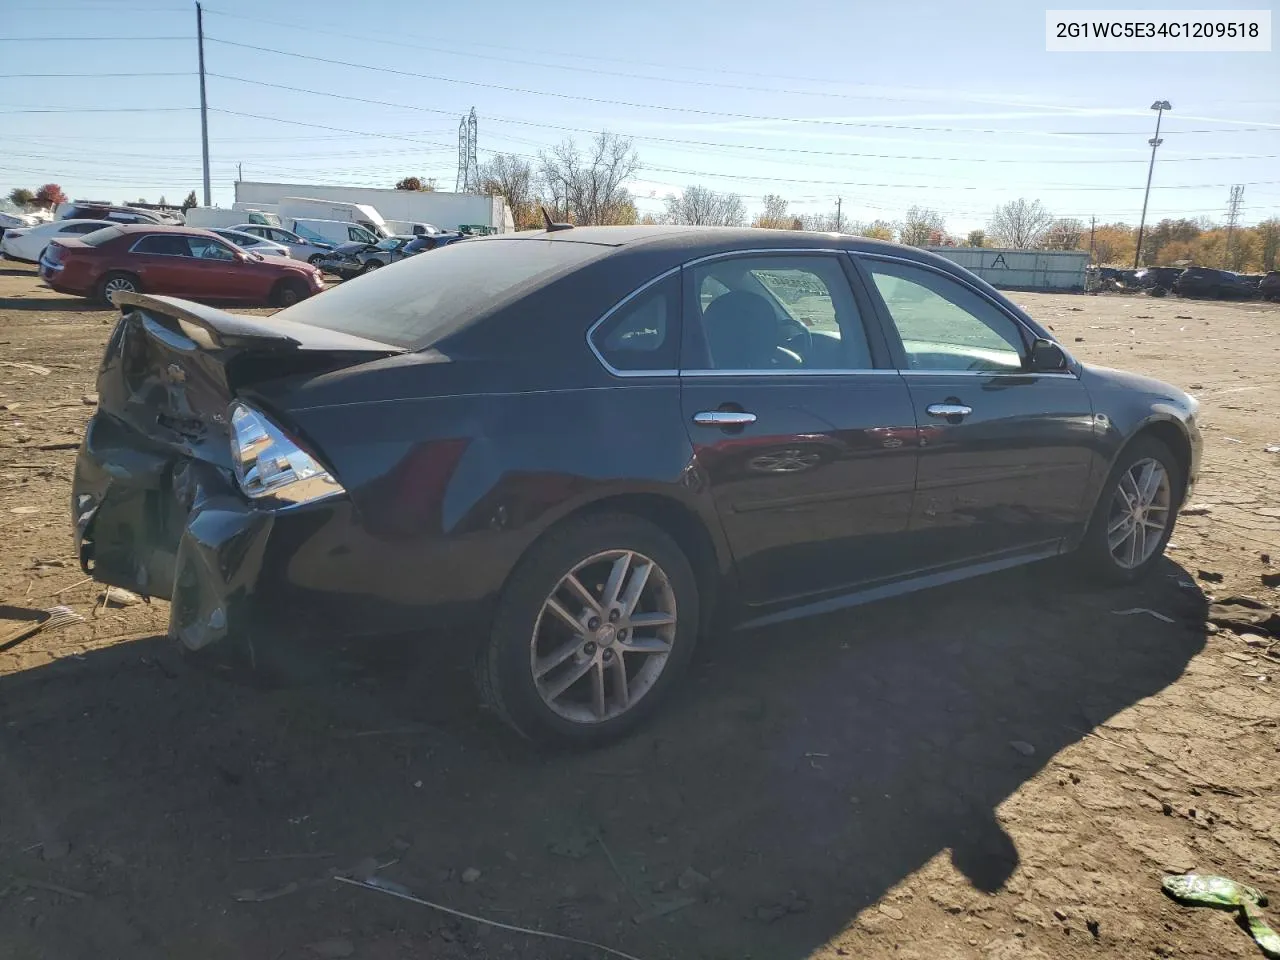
(172, 366)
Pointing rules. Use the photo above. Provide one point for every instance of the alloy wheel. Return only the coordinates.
(603, 636)
(119, 285)
(1140, 513)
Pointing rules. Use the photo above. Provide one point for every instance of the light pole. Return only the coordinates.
(1160, 106)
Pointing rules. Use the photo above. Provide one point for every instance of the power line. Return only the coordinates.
(99, 110)
(693, 110)
(86, 39)
(699, 143)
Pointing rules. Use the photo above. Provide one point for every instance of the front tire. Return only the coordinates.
(288, 292)
(371, 266)
(117, 282)
(1135, 514)
(592, 631)
(315, 259)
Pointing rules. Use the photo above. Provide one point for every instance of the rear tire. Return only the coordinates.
(117, 282)
(288, 292)
(371, 266)
(623, 677)
(315, 259)
(1125, 540)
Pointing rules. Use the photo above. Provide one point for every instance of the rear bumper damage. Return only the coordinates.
(177, 528)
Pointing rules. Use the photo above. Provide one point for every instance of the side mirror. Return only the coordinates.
(1047, 357)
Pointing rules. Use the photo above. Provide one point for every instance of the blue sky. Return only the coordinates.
(953, 106)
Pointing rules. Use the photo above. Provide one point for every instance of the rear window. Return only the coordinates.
(99, 237)
(421, 300)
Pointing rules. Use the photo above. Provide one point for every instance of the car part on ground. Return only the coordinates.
(439, 443)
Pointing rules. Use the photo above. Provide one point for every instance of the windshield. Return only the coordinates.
(391, 243)
(420, 300)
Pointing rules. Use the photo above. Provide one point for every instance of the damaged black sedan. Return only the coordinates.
(573, 447)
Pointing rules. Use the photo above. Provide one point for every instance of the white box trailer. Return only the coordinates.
(206, 218)
(310, 208)
(448, 211)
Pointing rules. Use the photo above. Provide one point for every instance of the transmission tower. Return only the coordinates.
(1233, 217)
(468, 168)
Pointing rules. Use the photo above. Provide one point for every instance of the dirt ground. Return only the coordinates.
(1001, 769)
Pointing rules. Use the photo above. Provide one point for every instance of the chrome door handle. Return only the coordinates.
(723, 418)
(946, 410)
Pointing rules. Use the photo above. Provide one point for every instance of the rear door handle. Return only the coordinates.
(723, 418)
(948, 410)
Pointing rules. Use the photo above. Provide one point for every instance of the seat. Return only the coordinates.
(742, 334)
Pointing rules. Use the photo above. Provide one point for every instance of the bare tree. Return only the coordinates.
(587, 186)
(511, 178)
(921, 226)
(704, 207)
(1020, 224)
(774, 216)
(820, 222)
(1064, 234)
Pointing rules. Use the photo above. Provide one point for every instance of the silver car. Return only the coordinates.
(252, 243)
(300, 248)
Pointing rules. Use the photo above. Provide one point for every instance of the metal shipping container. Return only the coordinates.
(1056, 270)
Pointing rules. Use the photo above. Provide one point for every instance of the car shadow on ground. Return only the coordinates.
(51, 304)
(802, 772)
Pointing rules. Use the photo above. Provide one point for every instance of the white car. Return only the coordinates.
(312, 251)
(28, 243)
(252, 243)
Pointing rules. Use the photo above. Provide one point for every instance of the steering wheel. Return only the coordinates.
(786, 358)
(804, 331)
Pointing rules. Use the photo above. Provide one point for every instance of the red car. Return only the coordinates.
(179, 261)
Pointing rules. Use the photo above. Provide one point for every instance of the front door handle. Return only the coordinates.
(948, 411)
(723, 418)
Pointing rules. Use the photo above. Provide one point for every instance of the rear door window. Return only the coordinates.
(162, 245)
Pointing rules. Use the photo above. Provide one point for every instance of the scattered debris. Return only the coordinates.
(470, 875)
(1273, 448)
(1232, 440)
(52, 618)
(893, 913)
(1146, 610)
(378, 885)
(1079, 339)
(65, 445)
(1245, 612)
(1210, 576)
(89, 399)
(1202, 890)
(26, 508)
(120, 597)
(1270, 579)
(1022, 747)
(29, 367)
(1196, 509)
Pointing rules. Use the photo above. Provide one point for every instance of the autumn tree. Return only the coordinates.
(588, 184)
(1064, 233)
(704, 207)
(1268, 232)
(1113, 243)
(409, 183)
(190, 202)
(22, 197)
(1020, 224)
(511, 177)
(976, 238)
(920, 227)
(876, 230)
(50, 195)
(774, 216)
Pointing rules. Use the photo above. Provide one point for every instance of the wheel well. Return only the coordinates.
(678, 522)
(1173, 437)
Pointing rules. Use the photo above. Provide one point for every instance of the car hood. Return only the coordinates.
(1105, 378)
(350, 249)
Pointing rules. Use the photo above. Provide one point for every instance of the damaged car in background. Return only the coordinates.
(577, 449)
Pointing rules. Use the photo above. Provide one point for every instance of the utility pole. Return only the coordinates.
(839, 219)
(204, 107)
(1233, 217)
(1160, 106)
(1093, 249)
(239, 172)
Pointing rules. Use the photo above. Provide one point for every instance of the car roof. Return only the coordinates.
(128, 228)
(683, 237)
